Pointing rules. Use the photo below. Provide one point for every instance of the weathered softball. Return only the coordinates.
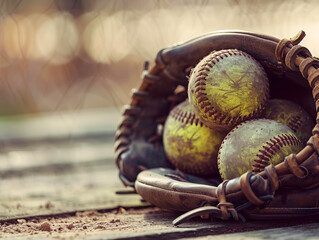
(291, 114)
(189, 145)
(228, 87)
(254, 144)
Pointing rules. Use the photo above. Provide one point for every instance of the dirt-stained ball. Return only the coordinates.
(228, 87)
(291, 114)
(254, 144)
(189, 145)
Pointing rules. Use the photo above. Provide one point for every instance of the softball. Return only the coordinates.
(291, 114)
(228, 87)
(189, 145)
(254, 144)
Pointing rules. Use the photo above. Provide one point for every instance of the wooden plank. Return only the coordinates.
(151, 223)
(81, 189)
(298, 232)
(67, 175)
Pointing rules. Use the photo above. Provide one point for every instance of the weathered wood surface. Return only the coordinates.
(298, 232)
(151, 223)
(61, 173)
(49, 176)
(83, 189)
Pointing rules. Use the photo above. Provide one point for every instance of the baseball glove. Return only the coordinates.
(288, 189)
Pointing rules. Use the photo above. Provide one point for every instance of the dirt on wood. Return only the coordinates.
(89, 222)
(131, 223)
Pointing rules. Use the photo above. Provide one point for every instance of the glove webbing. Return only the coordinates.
(298, 58)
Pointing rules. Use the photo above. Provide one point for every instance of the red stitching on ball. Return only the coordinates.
(259, 161)
(200, 80)
(199, 88)
(200, 84)
(229, 119)
(185, 117)
(204, 68)
(274, 145)
(222, 118)
(214, 113)
(199, 94)
(268, 149)
(205, 104)
(262, 159)
(201, 99)
(279, 142)
(295, 122)
(211, 113)
(265, 153)
(209, 108)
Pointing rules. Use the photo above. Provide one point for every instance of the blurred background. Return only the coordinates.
(58, 55)
(68, 66)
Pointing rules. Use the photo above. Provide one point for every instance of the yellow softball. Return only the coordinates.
(291, 114)
(189, 145)
(227, 87)
(254, 144)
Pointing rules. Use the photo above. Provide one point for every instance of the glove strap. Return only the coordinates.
(246, 188)
(272, 178)
(298, 58)
(224, 210)
(224, 206)
(281, 46)
(294, 168)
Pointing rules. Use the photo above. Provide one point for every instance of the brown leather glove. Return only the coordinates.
(293, 75)
(249, 196)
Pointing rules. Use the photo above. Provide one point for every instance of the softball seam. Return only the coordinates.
(295, 123)
(185, 117)
(264, 158)
(270, 148)
(201, 95)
